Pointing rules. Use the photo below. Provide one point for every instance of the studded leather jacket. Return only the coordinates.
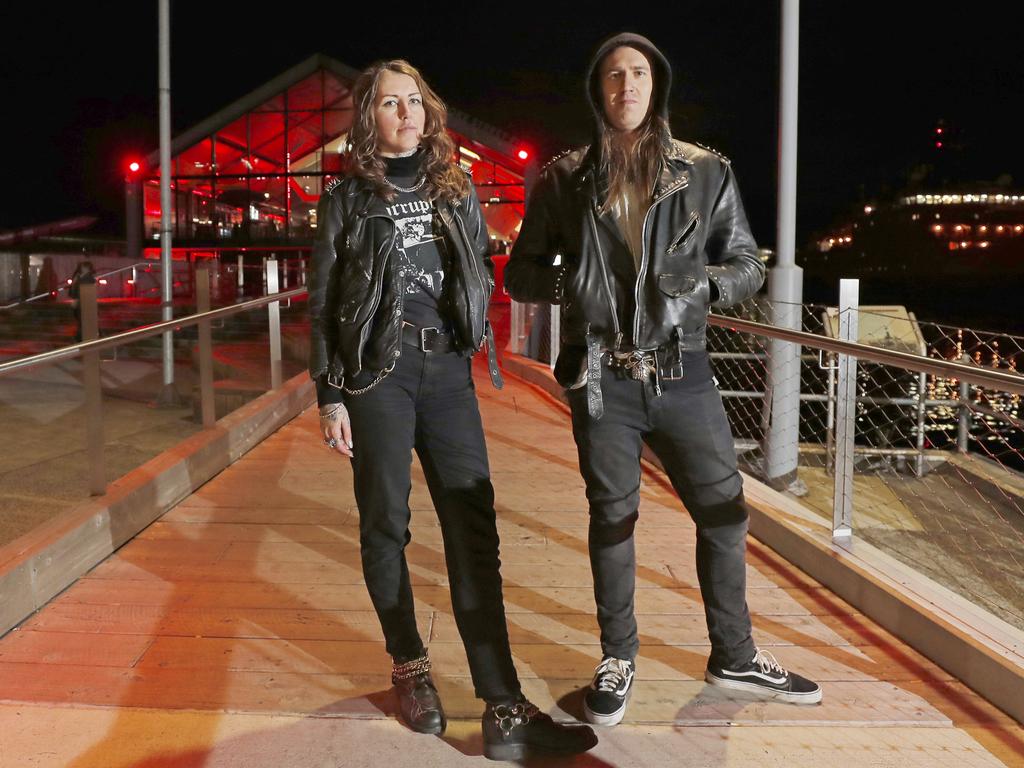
(355, 291)
(698, 252)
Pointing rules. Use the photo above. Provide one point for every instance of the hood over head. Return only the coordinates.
(660, 68)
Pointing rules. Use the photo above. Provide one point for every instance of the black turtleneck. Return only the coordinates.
(404, 167)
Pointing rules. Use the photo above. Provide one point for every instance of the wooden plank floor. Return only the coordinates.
(236, 631)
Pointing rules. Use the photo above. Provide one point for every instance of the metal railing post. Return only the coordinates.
(963, 429)
(93, 392)
(846, 410)
(921, 384)
(206, 401)
(274, 324)
(515, 335)
(556, 322)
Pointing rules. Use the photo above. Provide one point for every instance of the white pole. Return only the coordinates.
(168, 394)
(785, 283)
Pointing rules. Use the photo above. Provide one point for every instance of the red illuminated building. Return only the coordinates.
(247, 179)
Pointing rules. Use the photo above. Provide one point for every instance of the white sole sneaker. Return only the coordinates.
(602, 719)
(763, 691)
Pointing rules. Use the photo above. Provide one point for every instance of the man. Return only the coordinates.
(636, 236)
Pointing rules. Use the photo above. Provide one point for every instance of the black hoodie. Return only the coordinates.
(661, 70)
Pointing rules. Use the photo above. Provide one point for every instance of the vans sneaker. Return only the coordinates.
(763, 675)
(605, 702)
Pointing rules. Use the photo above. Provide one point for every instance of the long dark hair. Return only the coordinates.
(633, 159)
(444, 178)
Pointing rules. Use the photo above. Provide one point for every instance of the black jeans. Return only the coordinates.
(688, 430)
(428, 403)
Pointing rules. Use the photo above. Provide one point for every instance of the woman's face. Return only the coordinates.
(398, 113)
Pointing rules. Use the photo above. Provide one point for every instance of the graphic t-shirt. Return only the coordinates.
(421, 253)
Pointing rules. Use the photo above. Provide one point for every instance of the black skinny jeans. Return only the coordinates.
(428, 403)
(688, 430)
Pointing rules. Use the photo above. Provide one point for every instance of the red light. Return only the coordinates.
(102, 281)
(938, 130)
(522, 154)
(938, 145)
(134, 166)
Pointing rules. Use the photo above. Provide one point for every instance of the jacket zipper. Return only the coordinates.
(380, 283)
(604, 275)
(684, 236)
(476, 272)
(643, 255)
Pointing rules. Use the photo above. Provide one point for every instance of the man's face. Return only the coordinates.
(626, 85)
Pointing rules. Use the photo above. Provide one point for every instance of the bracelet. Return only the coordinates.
(339, 408)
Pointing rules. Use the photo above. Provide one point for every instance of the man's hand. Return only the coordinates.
(336, 428)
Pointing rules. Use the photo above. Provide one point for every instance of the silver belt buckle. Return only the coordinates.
(423, 336)
(640, 365)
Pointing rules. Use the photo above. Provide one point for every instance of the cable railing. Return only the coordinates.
(906, 434)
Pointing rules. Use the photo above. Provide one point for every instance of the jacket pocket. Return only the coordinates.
(676, 286)
(686, 233)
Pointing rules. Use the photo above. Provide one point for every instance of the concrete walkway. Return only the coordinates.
(236, 631)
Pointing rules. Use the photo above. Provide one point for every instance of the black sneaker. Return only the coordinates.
(763, 675)
(605, 702)
(517, 731)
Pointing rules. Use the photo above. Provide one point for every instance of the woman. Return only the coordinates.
(400, 284)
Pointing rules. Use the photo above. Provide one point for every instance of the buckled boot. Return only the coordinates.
(418, 701)
(520, 730)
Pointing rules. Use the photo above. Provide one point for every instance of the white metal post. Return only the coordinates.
(785, 284)
(274, 321)
(846, 412)
(168, 394)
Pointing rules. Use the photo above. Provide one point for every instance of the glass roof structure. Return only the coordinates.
(249, 177)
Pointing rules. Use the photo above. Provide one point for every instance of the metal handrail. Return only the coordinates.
(64, 286)
(143, 332)
(981, 376)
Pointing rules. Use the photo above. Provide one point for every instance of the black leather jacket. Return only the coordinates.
(698, 252)
(355, 294)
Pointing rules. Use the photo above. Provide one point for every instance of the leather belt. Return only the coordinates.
(429, 339)
(432, 339)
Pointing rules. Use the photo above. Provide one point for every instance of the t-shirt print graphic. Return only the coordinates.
(420, 266)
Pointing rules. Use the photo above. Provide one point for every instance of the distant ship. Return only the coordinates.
(953, 256)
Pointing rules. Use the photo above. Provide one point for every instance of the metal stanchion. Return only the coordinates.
(93, 392)
(846, 410)
(556, 333)
(206, 401)
(274, 324)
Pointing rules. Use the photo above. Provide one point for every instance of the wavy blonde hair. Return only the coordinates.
(444, 178)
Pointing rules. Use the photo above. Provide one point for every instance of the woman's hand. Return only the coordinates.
(336, 428)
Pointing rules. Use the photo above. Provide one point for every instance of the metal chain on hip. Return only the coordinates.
(376, 380)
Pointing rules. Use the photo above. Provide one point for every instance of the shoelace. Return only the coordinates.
(768, 663)
(611, 674)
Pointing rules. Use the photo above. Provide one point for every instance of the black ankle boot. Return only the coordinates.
(417, 697)
(516, 731)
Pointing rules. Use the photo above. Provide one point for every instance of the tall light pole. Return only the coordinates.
(168, 394)
(785, 283)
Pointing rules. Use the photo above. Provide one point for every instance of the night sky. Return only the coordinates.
(80, 86)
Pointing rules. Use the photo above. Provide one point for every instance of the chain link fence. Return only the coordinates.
(937, 463)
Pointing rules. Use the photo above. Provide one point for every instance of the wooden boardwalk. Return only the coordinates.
(236, 631)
